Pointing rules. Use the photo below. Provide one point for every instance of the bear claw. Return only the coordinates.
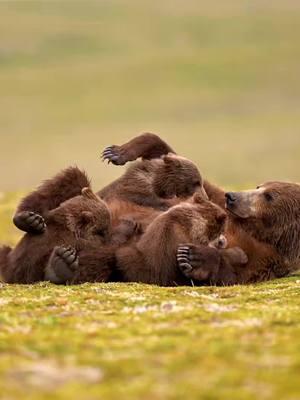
(30, 222)
(113, 154)
(62, 265)
(183, 259)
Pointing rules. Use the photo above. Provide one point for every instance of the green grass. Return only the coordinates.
(134, 341)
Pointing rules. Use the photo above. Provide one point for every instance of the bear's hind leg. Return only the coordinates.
(199, 263)
(62, 265)
(206, 264)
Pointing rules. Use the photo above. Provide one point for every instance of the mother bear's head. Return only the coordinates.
(271, 213)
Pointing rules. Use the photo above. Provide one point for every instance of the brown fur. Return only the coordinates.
(81, 221)
(149, 187)
(156, 183)
(269, 238)
(153, 258)
(65, 185)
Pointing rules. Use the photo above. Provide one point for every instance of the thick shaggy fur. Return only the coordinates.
(153, 258)
(51, 193)
(83, 221)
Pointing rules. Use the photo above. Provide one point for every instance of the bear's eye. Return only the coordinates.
(197, 183)
(268, 196)
(100, 232)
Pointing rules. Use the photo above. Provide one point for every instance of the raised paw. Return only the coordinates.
(114, 155)
(30, 222)
(62, 265)
(198, 262)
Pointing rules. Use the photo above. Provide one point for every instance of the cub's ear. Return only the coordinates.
(171, 160)
(86, 217)
(89, 194)
(198, 198)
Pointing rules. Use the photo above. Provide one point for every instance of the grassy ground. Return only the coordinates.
(117, 341)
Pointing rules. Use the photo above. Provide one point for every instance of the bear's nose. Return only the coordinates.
(230, 198)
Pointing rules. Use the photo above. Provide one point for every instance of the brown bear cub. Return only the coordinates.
(64, 226)
(154, 258)
(151, 186)
(84, 217)
(153, 183)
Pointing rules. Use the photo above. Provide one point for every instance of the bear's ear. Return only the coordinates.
(89, 194)
(171, 160)
(76, 223)
(198, 198)
(86, 217)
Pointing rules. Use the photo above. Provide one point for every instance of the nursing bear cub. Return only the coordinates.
(63, 227)
(153, 259)
(79, 219)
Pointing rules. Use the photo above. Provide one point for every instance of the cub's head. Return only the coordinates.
(86, 215)
(179, 177)
(271, 213)
(207, 222)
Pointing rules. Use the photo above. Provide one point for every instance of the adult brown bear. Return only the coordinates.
(264, 222)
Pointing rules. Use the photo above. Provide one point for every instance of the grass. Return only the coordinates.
(135, 341)
(220, 82)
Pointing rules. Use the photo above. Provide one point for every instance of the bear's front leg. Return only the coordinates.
(146, 146)
(30, 222)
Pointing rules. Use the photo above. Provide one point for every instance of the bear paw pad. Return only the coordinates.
(30, 222)
(62, 265)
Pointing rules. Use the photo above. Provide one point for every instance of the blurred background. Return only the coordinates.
(218, 80)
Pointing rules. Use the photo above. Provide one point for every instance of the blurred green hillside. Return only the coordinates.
(219, 80)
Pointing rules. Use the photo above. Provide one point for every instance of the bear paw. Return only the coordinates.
(198, 262)
(30, 222)
(62, 265)
(115, 155)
